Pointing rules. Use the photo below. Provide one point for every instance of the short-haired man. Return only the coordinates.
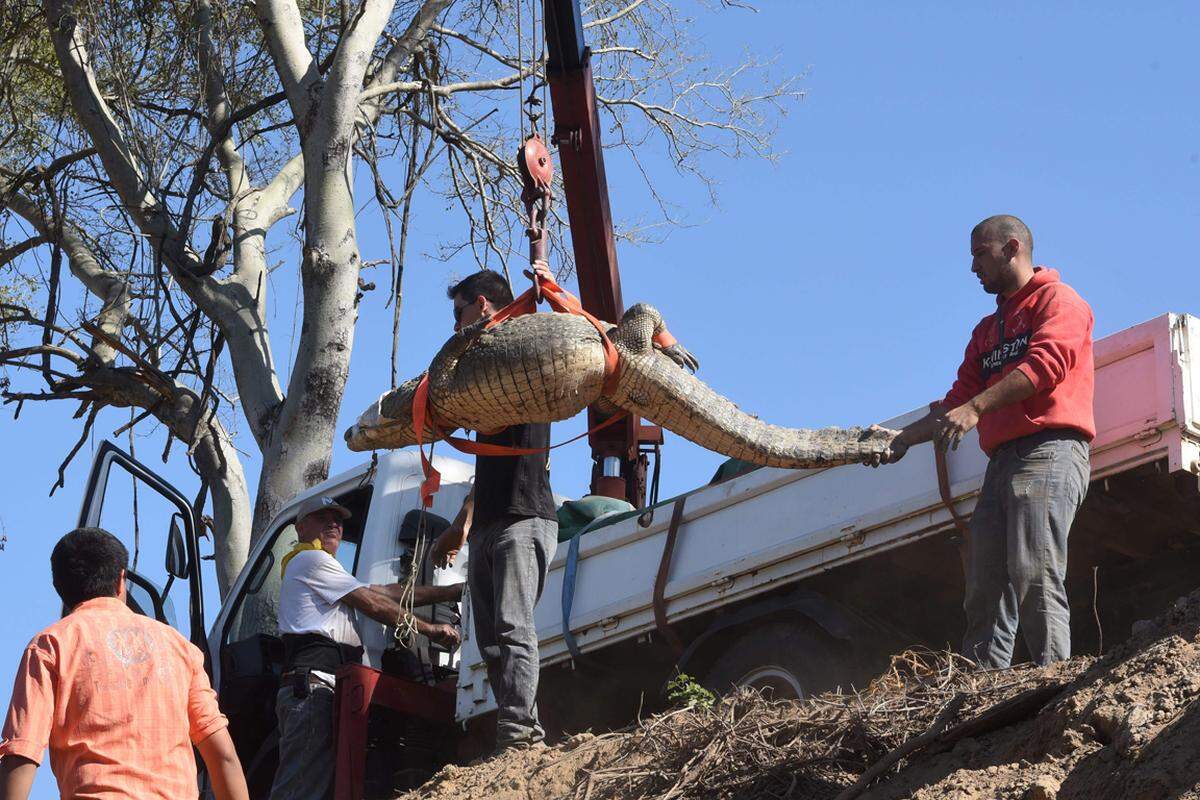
(510, 517)
(316, 623)
(119, 699)
(1026, 380)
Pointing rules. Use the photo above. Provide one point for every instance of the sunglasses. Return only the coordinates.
(458, 310)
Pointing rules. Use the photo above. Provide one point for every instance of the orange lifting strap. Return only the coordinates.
(560, 300)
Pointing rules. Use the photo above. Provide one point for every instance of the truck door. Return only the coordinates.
(159, 528)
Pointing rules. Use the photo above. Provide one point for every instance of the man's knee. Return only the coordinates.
(517, 637)
(1025, 579)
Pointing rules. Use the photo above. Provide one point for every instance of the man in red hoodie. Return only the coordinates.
(1026, 382)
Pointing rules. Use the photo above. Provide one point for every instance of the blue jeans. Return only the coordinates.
(1017, 548)
(509, 560)
(306, 754)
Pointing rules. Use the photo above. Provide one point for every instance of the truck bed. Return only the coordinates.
(772, 527)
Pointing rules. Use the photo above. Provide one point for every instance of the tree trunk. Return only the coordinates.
(218, 463)
(301, 443)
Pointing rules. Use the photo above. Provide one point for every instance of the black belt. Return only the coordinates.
(310, 651)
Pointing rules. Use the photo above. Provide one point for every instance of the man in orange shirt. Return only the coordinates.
(118, 698)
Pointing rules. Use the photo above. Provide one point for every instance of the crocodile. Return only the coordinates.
(547, 367)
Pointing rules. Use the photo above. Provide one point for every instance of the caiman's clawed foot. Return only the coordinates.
(680, 355)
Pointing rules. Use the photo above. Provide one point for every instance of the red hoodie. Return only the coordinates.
(1047, 334)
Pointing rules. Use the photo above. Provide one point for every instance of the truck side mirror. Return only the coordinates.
(143, 598)
(176, 561)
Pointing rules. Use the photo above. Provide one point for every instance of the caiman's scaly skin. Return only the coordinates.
(547, 367)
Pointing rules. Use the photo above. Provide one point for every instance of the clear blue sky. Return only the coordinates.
(833, 286)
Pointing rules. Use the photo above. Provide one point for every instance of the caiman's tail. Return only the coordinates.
(656, 388)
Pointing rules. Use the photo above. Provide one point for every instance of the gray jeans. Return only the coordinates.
(1017, 549)
(509, 560)
(306, 754)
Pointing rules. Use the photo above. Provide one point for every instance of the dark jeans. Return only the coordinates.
(1017, 548)
(306, 755)
(509, 560)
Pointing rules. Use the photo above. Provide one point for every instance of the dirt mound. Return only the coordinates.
(1122, 726)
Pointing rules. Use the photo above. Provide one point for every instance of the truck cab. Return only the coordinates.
(385, 535)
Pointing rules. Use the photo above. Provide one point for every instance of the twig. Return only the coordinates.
(87, 429)
(916, 743)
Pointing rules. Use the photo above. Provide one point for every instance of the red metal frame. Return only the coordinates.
(358, 688)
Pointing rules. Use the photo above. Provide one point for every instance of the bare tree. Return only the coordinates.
(152, 147)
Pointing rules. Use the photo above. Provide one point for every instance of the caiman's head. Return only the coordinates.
(479, 295)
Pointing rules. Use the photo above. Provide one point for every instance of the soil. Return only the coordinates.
(1126, 725)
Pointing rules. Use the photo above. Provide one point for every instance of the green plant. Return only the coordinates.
(685, 691)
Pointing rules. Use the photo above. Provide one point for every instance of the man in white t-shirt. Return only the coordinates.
(316, 623)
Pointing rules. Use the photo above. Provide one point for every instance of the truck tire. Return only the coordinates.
(783, 660)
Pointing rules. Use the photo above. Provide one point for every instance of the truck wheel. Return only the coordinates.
(784, 660)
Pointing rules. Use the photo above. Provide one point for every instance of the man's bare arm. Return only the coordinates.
(224, 768)
(381, 608)
(1012, 388)
(422, 595)
(1009, 390)
(947, 428)
(914, 433)
(445, 547)
(16, 777)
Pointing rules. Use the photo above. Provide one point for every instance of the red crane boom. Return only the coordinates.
(620, 465)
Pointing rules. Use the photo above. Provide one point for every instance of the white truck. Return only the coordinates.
(792, 581)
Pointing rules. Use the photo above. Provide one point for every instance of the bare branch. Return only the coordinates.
(283, 30)
(21, 352)
(8, 254)
(629, 9)
(112, 291)
(120, 163)
(83, 437)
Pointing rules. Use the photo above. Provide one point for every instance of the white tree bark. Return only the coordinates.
(326, 113)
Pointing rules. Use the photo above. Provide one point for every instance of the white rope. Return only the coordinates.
(406, 624)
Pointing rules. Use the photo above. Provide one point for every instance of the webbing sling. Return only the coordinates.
(943, 475)
(943, 480)
(660, 580)
(560, 300)
(570, 570)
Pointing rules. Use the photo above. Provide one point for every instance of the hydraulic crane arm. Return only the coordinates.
(577, 134)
